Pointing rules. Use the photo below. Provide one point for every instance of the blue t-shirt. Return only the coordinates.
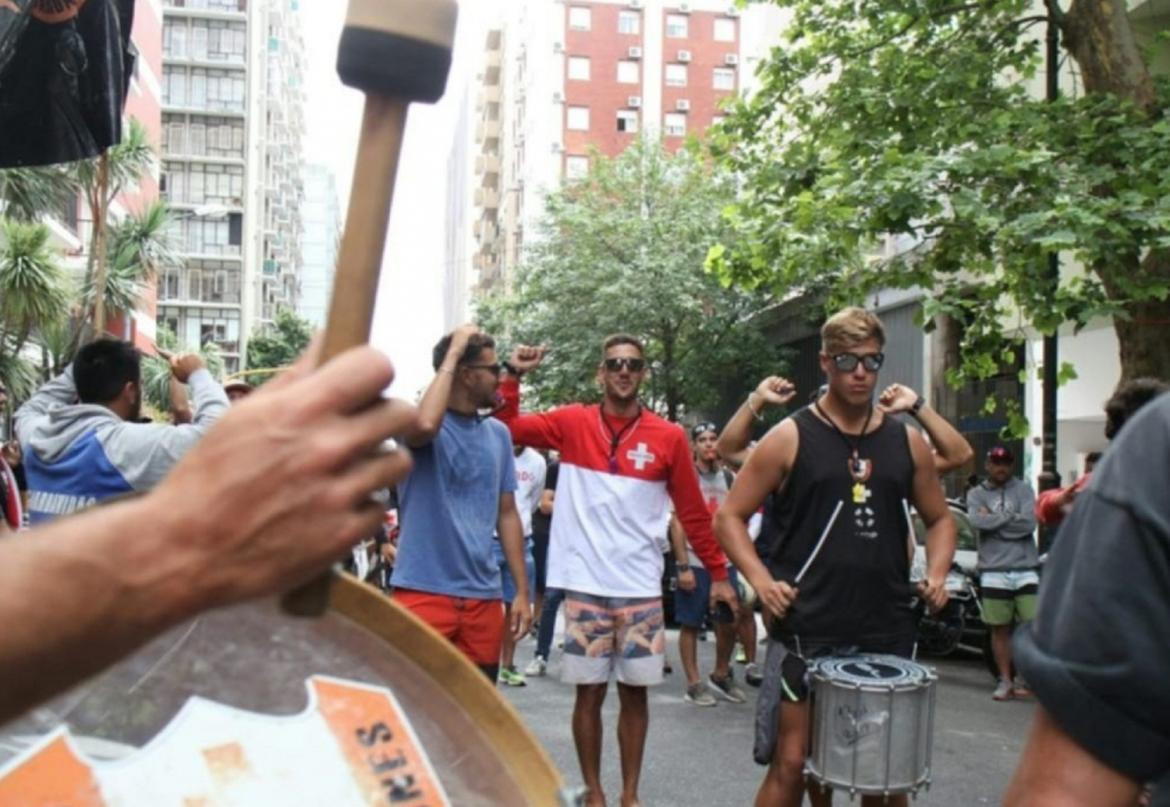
(449, 506)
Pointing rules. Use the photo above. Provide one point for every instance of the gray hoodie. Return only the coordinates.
(78, 454)
(1005, 519)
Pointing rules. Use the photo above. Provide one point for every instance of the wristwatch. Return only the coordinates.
(917, 407)
(679, 568)
(512, 370)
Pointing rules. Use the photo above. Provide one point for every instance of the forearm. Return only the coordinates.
(733, 440)
(76, 595)
(1056, 772)
(941, 540)
(678, 541)
(731, 531)
(988, 521)
(433, 405)
(512, 542)
(952, 449)
(210, 400)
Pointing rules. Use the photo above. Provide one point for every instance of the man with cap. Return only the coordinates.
(692, 595)
(1002, 510)
(237, 390)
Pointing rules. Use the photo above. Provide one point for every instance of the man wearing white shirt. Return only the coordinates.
(530, 472)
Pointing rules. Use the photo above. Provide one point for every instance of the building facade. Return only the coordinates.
(562, 81)
(321, 216)
(231, 97)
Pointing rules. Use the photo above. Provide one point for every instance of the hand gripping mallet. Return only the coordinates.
(396, 51)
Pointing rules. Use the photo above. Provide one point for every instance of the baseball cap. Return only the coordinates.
(702, 427)
(1001, 454)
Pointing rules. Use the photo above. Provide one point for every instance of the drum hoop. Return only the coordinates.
(526, 760)
(916, 678)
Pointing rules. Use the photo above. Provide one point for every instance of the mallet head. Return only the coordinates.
(398, 48)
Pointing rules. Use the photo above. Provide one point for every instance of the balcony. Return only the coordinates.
(487, 130)
(208, 9)
(487, 198)
(487, 164)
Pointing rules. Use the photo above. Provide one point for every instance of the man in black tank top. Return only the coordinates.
(838, 577)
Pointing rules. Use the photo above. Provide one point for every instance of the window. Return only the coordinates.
(579, 68)
(716, 120)
(576, 166)
(724, 30)
(580, 18)
(629, 22)
(627, 120)
(676, 75)
(724, 78)
(674, 124)
(676, 26)
(627, 73)
(578, 118)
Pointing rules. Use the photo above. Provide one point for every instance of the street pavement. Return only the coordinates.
(702, 756)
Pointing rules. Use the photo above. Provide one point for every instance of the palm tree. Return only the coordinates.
(102, 179)
(156, 372)
(29, 193)
(34, 296)
(144, 238)
(33, 290)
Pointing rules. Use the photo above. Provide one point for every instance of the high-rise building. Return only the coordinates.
(321, 216)
(561, 80)
(233, 121)
(457, 235)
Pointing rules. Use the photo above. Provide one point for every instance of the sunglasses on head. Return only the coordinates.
(494, 369)
(847, 362)
(634, 365)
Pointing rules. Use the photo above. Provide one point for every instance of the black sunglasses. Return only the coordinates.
(634, 365)
(494, 369)
(847, 362)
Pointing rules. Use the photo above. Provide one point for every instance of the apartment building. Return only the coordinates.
(232, 126)
(561, 79)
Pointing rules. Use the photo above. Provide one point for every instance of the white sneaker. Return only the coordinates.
(536, 667)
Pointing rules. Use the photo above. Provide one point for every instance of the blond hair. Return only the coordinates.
(849, 328)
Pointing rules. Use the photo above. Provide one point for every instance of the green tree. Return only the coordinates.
(623, 250)
(156, 371)
(893, 118)
(29, 193)
(278, 344)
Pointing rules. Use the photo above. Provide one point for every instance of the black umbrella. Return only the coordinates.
(65, 68)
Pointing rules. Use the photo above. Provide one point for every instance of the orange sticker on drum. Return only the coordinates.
(55, 11)
(55, 775)
(380, 746)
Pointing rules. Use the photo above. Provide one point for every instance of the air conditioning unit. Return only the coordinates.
(731, 59)
(635, 3)
(558, 98)
(682, 105)
(634, 52)
(558, 47)
(733, 11)
(684, 7)
(634, 101)
(684, 55)
(557, 148)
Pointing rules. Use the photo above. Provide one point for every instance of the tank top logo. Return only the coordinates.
(864, 517)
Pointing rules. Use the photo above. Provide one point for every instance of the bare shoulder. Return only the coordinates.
(919, 449)
(778, 447)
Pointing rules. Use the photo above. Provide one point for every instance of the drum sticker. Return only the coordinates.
(352, 746)
(851, 724)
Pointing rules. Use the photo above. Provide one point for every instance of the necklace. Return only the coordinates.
(615, 438)
(856, 468)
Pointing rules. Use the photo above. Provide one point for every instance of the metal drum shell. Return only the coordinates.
(859, 728)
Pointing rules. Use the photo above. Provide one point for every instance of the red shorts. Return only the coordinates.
(475, 627)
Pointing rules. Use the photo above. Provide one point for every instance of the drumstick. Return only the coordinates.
(817, 549)
(396, 51)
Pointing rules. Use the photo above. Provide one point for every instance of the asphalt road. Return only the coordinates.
(702, 756)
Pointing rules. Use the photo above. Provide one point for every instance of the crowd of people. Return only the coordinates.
(510, 523)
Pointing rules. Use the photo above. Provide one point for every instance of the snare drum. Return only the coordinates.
(872, 724)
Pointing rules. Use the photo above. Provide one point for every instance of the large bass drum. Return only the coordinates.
(872, 724)
(248, 706)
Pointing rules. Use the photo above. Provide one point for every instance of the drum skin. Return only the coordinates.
(255, 657)
(872, 724)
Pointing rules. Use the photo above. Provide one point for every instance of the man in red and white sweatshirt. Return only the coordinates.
(621, 468)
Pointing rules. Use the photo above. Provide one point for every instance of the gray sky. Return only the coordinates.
(409, 317)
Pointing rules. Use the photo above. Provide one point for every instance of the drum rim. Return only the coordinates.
(527, 761)
(919, 678)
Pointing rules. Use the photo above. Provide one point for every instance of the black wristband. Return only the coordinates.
(917, 407)
(512, 370)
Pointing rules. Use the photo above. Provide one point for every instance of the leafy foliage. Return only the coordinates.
(156, 372)
(33, 289)
(623, 250)
(28, 193)
(279, 344)
(896, 144)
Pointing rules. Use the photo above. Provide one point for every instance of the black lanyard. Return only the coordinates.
(615, 438)
(854, 447)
